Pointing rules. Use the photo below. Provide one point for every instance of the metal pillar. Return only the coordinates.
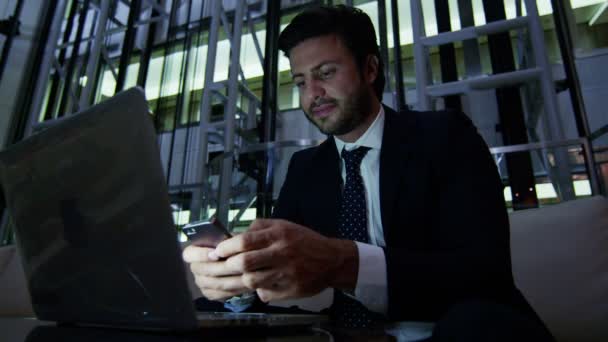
(93, 63)
(561, 173)
(13, 31)
(19, 123)
(562, 29)
(167, 48)
(184, 91)
(45, 67)
(197, 203)
(470, 47)
(56, 83)
(127, 45)
(223, 205)
(400, 91)
(447, 53)
(146, 54)
(564, 36)
(383, 43)
(68, 98)
(187, 93)
(269, 107)
(423, 101)
(510, 111)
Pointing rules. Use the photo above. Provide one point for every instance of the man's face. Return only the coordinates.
(335, 95)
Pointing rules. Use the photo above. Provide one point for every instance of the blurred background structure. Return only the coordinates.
(531, 75)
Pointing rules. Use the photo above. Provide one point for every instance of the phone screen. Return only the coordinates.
(206, 233)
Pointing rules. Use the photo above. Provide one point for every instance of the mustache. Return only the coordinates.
(320, 102)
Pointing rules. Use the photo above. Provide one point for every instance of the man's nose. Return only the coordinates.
(315, 90)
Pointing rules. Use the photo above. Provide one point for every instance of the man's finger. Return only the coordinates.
(258, 224)
(253, 260)
(196, 254)
(213, 269)
(269, 278)
(220, 295)
(247, 241)
(226, 284)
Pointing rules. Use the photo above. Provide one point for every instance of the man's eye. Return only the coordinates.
(300, 84)
(327, 73)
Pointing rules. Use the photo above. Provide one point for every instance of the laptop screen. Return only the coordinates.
(89, 205)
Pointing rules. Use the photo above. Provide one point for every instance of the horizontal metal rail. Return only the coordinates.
(474, 32)
(485, 82)
(537, 146)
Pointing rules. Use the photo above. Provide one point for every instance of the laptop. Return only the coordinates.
(89, 204)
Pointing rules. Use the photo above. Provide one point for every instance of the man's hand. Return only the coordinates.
(216, 278)
(282, 260)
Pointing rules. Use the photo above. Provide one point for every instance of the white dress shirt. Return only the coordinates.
(371, 289)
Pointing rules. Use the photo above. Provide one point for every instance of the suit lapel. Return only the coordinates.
(394, 154)
(327, 178)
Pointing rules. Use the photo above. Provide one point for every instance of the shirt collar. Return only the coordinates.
(371, 138)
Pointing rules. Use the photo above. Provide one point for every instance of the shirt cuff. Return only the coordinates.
(371, 289)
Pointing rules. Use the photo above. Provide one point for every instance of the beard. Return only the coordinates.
(349, 113)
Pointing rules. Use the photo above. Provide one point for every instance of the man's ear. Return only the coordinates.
(371, 69)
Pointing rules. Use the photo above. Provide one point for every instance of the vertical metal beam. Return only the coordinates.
(470, 47)
(510, 111)
(17, 123)
(383, 43)
(197, 202)
(397, 51)
(447, 53)
(269, 107)
(127, 45)
(93, 64)
(187, 90)
(563, 180)
(423, 101)
(252, 105)
(562, 29)
(57, 80)
(11, 36)
(167, 50)
(25, 102)
(67, 96)
(45, 66)
(183, 90)
(566, 44)
(254, 36)
(146, 54)
(229, 36)
(223, 205)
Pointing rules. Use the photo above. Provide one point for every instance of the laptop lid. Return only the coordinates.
(92, 220)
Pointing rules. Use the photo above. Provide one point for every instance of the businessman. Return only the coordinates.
(401, 214)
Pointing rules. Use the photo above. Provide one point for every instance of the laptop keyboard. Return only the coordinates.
(232, 318)
(229, 315)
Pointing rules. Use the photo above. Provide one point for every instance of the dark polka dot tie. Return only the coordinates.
(352, 225)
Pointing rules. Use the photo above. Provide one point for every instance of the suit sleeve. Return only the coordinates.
(469, 256)
(286, 206)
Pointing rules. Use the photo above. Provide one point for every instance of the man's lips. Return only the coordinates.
(322, 111)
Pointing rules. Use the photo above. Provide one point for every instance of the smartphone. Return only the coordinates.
(206, 233)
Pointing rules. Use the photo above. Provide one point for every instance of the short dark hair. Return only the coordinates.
(351, 24)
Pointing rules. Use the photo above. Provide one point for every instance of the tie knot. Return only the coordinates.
(354, 157)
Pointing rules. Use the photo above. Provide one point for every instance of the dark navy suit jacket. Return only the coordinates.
(443, 213)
